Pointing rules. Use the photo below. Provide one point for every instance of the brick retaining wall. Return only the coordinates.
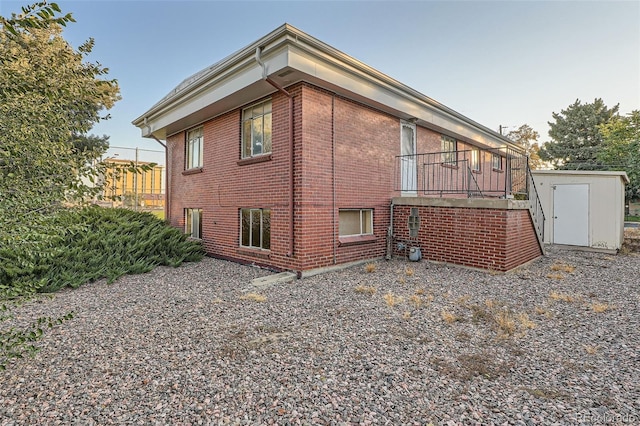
(498, 238)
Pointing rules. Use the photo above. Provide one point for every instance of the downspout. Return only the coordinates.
(167, 198)
(333, 177)
(390, 233)
(266, 78)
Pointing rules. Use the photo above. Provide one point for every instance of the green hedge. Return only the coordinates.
(84, 245)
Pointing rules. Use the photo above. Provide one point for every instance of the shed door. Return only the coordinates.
(571, 214)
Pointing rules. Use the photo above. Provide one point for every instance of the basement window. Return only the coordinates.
(193, 223)
(355, 222)
(255, 229)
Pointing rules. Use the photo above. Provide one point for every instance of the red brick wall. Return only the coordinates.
(483, 238)
(367, 142)
(338, 144)
(522, 244)
(224, 186)
(354, 148)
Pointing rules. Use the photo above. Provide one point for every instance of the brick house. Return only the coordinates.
(293, 155)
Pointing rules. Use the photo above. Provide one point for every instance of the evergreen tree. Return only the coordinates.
(576, 138)
(621, 149)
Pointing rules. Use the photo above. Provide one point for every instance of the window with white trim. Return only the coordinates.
(496, 161)
(193, 154)
(193, 223)
(475, 159)
(256, 130)
(355, 222)
(255, 228)
(449, 151)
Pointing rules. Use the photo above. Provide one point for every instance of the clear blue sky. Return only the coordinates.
(498, 62)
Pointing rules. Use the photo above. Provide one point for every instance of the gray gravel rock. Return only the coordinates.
(556, 342)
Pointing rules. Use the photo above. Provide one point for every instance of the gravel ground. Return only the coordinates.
(556, 342)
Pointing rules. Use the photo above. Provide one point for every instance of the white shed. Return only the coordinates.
(582, 208)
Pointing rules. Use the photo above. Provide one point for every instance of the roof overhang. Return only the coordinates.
(290, 56)
(597, 173)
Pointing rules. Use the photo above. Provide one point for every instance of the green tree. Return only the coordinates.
(527, 138)
(621, 149)
(37, 15)
(576, 138)
(50, 98)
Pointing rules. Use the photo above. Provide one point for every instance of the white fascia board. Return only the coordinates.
(208, 92)
(389, 95)
(219, 78)
(208, 100)
(207, 96)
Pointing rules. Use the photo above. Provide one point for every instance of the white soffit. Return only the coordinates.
(238, 79)
(324, 71)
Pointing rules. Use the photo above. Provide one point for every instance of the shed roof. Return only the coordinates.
(598, 173)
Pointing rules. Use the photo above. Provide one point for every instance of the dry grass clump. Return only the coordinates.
(556, 276)
(427, 298)
(406, 315)
(365, 289)
(409, 272)
(370, 267)
(392, 300)
(557, 296)
(591, 349)
(449, 317)
(525, 322)
(557, 270)
(505, 322)
(416, 301)
(463, 300)
(480, 313)
(540, 310)
(255, 297)
(563, 267)
(599, 307)
(491, 304)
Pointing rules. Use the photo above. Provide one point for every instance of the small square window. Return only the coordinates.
(355, 222)
(193, 223)
(256, 130)
(193, 154)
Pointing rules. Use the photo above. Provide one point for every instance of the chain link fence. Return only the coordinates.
(143, 190)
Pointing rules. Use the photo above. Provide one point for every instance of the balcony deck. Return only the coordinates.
(475, 173)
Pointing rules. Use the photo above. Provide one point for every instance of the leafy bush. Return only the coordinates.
(87, 244)
(17, 342)
(79, 246)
